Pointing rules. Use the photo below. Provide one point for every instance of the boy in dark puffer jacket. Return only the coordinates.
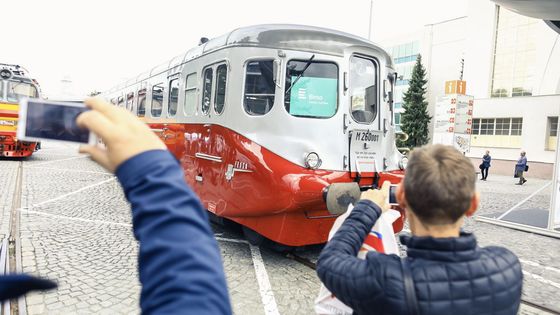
(450, 273)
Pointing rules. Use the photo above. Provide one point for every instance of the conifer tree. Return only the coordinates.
(415, 118)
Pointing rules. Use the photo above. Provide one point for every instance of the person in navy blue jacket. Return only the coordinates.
(486, 159)
(447, 272)
(179, 262)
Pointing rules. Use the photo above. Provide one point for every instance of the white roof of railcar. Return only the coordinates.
(278, 36)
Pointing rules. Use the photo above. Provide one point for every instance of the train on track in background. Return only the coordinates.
(265, 118)
(15, 83)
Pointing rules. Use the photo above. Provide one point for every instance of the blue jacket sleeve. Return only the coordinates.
(349, 278)
(179, 261)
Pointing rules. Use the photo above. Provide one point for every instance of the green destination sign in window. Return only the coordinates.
(315, 97)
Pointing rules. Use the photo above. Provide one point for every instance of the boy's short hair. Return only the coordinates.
(439, 184)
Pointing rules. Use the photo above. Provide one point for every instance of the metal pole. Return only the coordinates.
(370, 18)
(555, 188)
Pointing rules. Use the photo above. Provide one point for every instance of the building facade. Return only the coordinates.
(511, 64)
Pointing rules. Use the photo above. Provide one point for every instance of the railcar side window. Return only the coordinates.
(120, 102)
(157, 100)
(311, 88)
(259, 87)
(141, 103)
(207, 91)
(173, 95)
(190, 94)
(363, 89)
(129, 98)
(220, 96)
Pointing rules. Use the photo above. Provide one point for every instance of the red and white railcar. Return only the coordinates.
(264, 118)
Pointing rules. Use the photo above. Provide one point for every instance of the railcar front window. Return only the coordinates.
(17, 90)
(311, 88)
(157, 100)
(207, 92)
(220, 97)
(173, 96)
(363, 89)
(259, 87)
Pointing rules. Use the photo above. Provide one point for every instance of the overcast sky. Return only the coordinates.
(96, 44)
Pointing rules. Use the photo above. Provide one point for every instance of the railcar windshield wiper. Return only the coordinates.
(300, 74)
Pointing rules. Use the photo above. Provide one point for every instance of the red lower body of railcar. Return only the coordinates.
(242, 181)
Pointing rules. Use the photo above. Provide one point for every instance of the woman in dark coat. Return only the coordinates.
(485, 165)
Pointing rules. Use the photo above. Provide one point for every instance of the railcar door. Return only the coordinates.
(364, 121)
(171, 131)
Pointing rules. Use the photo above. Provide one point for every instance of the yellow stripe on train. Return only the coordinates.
(4, 106)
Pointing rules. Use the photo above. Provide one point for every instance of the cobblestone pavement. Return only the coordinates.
(75, 228)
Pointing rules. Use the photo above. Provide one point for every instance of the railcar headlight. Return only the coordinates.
(312, 161)
(7, 122)
(403, 163)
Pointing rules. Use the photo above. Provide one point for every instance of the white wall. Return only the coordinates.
(443, 47)
(547, 74)
(480, 28)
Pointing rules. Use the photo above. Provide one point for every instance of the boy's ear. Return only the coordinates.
(401, 198)
(475, 200)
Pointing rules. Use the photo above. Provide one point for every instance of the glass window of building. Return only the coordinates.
(516, 126)
(190, 94)
(157, 99)
(312, 88)
(476, 126)
(487, 126)
(207, 90)
(173, 96)
(553, 126)
(514, 55)
(502, 126)
(220, 96)
(260, 87)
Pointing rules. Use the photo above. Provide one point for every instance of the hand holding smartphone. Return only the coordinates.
(47, 120)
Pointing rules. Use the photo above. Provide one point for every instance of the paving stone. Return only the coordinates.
(95, 261)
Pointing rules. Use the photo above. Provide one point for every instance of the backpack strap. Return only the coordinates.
(410, 292)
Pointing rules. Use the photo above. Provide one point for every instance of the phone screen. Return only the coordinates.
(393, 195)
(53, 121)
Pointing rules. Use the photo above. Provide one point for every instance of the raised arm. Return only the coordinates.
(349, 278)
(179, 261)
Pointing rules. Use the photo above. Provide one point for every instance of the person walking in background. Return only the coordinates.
(521, 167)
(485, 165)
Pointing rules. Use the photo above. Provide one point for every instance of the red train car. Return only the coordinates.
(264, 118)
(14, 84)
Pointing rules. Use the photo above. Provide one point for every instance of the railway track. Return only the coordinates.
(10, 253)
(531, 307)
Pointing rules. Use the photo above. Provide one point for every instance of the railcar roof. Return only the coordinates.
(279, 36)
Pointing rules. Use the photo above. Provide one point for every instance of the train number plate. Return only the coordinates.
(365, 150)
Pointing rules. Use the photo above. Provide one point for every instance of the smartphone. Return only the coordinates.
(47, 120)
(392, 197)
